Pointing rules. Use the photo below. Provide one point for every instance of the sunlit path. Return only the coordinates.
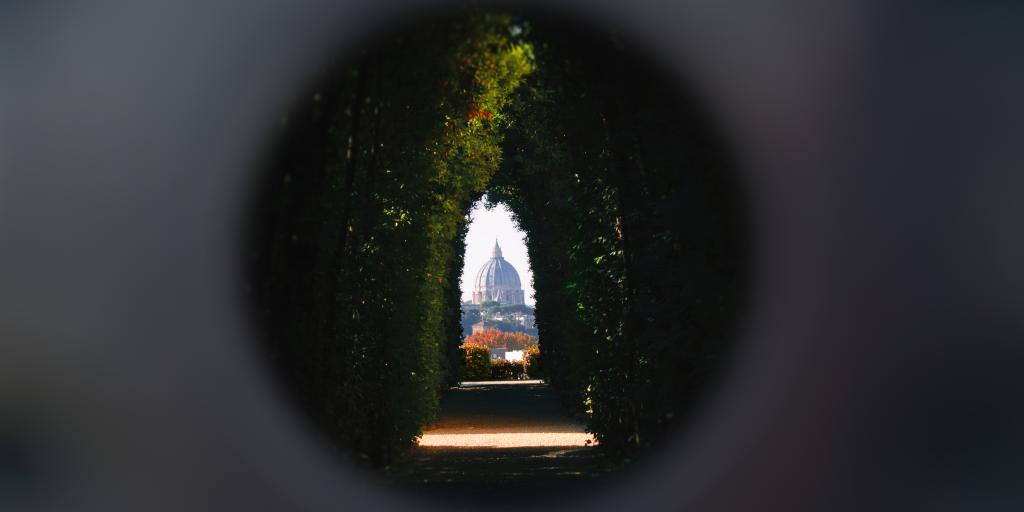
(493, 434)
(507, 440)
(504, 414)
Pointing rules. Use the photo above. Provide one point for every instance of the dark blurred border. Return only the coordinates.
(880, 147)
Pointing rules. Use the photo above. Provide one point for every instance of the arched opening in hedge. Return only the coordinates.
(633, 226)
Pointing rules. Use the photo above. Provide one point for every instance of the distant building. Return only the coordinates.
(513, 355)
(497, 280)
(481, 326)
(498, 352)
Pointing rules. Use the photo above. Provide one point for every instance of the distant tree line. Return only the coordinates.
(500, 339)
(488, 311)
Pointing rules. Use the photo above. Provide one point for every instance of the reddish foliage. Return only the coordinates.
(475, 114)
(501, 339)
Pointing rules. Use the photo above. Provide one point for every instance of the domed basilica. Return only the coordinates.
(497, 281)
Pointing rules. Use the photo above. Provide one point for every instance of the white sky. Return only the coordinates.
(486, 226)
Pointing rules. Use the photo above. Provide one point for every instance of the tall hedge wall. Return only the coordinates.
(634, 234)
(359, 243)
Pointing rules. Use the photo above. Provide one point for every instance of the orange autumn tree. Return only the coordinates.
(500, 339)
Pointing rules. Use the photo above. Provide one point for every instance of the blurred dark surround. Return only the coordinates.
(880, 367)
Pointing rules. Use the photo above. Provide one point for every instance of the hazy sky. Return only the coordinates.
(486, 226)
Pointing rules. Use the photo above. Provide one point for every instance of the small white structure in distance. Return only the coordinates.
(514, 355)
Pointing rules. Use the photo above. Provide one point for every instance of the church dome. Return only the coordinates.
(497, 280)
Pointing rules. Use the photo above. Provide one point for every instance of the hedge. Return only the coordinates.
(502, 369)
(358, 243)
(476, 362)
(634, 233)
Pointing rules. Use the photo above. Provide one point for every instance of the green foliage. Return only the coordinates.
(476, 361)
(635, 250)
(506, 326)
(506, 309)
(488, 312)
(507, 370)
(471, 315)
(533, 364)
(362, 245)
